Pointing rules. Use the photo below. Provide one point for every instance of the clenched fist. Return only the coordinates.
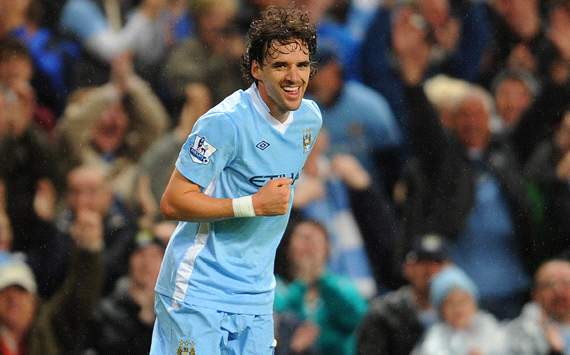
(273, 198)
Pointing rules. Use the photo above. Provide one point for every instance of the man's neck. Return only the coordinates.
(279, 115)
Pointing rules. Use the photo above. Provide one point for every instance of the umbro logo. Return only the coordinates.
(262, 145)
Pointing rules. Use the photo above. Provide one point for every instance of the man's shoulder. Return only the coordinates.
(397, 301)
(231, 108)
(310, 109)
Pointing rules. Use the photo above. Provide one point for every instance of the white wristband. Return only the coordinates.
(243, 206)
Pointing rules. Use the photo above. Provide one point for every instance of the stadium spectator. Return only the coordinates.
(157, 162)
(53, 57)
(123, 321)
(463, 328)
(112, 125)
(455, 33)
(514, 91)
(331, 191)
(320, 310)
(409, 307)
(58, 325)
(549, 171)
(106, 32)
(471, 173)
(358, 120)
(91, 208)
(542, 328)
(27, 162)
(519, 41)
(212, 54)
(443, 92)
(335, 35)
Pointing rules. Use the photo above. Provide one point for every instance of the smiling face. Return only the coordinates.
(283, 77)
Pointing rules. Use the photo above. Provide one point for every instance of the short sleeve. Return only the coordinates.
(83, 19)
(208, 150)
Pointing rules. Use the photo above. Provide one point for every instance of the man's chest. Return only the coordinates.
(267, 154)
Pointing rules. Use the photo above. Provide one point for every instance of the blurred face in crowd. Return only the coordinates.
(17, 309)
(308, 242)
(512, 98)
(88, 189)
(436, 12)
(472, 123)
(213, 23)
(420, 272)
(522, 16)
(552, 290)
(15, 68)
(562, 135)
(326, 83)
(458, 308)
(110, 129)
(144, 265)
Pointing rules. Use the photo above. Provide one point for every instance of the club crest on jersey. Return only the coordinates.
(186, 347)
(201, 150)
(307, 139)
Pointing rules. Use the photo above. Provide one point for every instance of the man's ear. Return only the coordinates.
(256, 70)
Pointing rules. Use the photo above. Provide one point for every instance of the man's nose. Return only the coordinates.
(292, 73)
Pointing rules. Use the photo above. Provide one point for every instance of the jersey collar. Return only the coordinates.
(263, 109)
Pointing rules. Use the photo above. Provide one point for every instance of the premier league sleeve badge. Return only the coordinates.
(201, 150)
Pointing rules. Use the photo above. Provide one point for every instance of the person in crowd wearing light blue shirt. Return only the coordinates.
(232, 191)
(358, 119)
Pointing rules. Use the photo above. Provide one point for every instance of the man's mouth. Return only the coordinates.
(292, 91)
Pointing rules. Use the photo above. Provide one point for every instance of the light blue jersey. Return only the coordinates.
(233, 150)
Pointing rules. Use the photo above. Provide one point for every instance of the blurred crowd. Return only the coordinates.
(432, 217)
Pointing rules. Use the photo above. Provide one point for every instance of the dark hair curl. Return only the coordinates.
(277, 25)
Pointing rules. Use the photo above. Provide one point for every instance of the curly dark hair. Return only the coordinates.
(277, 25)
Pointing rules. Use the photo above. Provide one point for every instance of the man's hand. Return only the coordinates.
(87, 231)
(448, 35)
(45, 200)
(304, 337)
(349, 170)
(559, 31)
(273, 198)
(410, 46)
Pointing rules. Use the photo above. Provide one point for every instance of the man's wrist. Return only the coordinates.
(243, 206)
